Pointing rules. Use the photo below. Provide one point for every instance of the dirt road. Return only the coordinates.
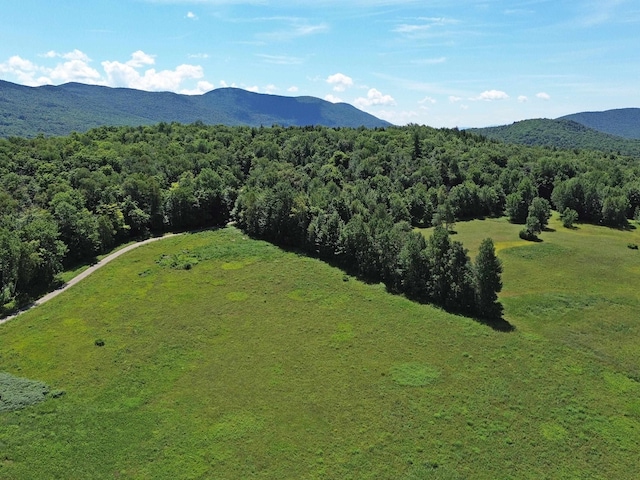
(85, 274)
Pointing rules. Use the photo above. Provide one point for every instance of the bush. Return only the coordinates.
(527, 234)
(632, 246)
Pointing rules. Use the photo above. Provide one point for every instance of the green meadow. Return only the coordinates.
(213, 355)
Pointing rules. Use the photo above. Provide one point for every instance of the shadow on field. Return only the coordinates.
(499, 324)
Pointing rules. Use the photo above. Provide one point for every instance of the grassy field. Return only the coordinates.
(225, 357)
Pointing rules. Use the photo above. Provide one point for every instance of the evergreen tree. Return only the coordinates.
(436, 252)
(414, 266)
(460, 281)
(488, 272)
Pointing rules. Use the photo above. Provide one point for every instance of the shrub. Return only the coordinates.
(527, 234)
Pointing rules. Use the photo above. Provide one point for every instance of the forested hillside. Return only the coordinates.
(350, 196)
(623, 122)
(561, 133)
(60, 110)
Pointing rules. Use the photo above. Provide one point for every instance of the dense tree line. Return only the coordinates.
(351, 196)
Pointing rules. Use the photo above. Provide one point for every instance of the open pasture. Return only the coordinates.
(216, 356)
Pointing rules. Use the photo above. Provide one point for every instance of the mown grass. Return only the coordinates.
(258, 363)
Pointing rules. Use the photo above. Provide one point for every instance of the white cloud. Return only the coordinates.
(192, 16)
(201, 87)
(427, 100)
(73, 55)
(224, 84)
(374, 97)
(76, 55)
(340, 82)
(454, 99)
(270, 89)
(18, 64)
(24, 71)
(254, 89)
(292, 89)
(75, 66)
(332, 98)
(523, 99)
(127, 75)
(75, 71)
(491, 95)
(198, 55)
(398, 117)
(543, 96)
(139, 59)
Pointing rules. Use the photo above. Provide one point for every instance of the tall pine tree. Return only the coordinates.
(488, 270)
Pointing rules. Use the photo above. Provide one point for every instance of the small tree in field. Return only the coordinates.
(569, 217)
(488, 273)
(541, 210)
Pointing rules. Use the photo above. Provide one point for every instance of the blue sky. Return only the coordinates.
(462, 63)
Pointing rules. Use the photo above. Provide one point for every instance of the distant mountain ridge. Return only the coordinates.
(561, 133)
(59, 110)
(624, 122)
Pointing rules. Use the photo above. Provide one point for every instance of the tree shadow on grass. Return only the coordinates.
(497, 324)
(14, 309)
(534, 239)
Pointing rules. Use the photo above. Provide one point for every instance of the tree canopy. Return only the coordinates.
(350, 196)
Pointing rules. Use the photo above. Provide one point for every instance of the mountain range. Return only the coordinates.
(60, 110)
(612, 131)
(624, 122)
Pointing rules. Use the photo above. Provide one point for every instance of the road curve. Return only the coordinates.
(85, 274)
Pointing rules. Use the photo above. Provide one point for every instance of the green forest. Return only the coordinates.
(562, 133)
(349, 196)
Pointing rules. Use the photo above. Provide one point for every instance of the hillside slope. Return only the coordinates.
(561, 134)
(262, 363)
(624, 122)
(59, 110)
